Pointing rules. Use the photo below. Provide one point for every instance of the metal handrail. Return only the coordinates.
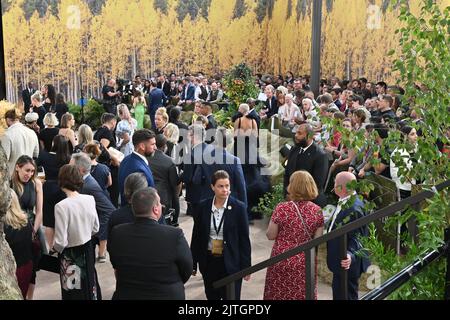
(406, 274)
(341, 232)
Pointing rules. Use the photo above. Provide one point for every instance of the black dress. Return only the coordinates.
(27, 203)
(52, 193)
(47, 136)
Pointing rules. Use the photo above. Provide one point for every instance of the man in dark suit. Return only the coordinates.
(307, 155)
(155, 99)
(270, 105)
(252, 114)
(103, 204)
(200, 164)
(26, 95)
(225, 248)
(346, 213)
(144, 145)
(151, 262)
(166, 177)
(164, 85)
(188, 93)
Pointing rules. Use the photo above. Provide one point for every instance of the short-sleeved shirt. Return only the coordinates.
(47, 136)
(106, 89)
(105, 133)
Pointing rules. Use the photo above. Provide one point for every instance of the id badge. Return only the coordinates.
(217, 247)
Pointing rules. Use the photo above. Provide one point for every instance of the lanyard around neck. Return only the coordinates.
(217, 229)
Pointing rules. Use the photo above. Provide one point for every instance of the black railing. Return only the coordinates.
(309, 247)
(407, 273)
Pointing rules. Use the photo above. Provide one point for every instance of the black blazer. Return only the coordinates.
(272, 106)
(237, 249)
(165, 176)
(315, 161)
(359, 263)
(152, 261)
(26, 98)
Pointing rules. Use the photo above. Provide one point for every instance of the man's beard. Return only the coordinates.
(302, 143)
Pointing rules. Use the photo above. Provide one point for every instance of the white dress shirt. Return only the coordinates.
(341, 203)
(216, 215)
(142, 157)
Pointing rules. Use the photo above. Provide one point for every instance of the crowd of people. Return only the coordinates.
(118, 187)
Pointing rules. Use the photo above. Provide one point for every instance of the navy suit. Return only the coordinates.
(236, 250)
(359, 264)
(103, 205)
(156, 99)
(132, 164)
(190, 94)
(197, 174)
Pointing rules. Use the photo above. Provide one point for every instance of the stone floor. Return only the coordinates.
(48, 287)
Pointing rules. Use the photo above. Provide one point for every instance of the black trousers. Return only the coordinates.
(215, 270)
(353, 285)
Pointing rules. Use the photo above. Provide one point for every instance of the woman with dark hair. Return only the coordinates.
(60, 107)
(99, 171)
(51, 162)
(29, 191)
(67, 123)
(76, 221)
(49, 94)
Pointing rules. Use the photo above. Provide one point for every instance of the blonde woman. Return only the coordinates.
(85, 137)
(161, 120)
(293, 223)
(18, 234)
(29, 191)
(125, 129)
(46, 136)
(67, 123)
(172, 133)
(37, 107)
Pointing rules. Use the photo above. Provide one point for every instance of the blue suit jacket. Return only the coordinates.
(190, 95)
(197, 175)
(132, 164)
(155, 100)
(103, 204)
(237, 248)
(359, 264)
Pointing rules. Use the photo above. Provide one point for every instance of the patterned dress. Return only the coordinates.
(286, 280)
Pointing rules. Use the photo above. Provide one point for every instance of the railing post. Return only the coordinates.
(310, 259)
(447, 276)
(344, 273)
(231, 292)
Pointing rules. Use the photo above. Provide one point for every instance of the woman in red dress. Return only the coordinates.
(293, 223)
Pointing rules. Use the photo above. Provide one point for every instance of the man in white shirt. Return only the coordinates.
(18, 140)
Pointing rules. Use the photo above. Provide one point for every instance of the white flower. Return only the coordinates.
(229, 208)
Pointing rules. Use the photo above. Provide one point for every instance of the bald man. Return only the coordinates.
(349, 209)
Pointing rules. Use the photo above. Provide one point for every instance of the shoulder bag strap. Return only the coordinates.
(301, 218)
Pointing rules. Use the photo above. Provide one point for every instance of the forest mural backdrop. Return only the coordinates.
(76, 44)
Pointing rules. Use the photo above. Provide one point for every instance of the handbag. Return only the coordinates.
(303, 221)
